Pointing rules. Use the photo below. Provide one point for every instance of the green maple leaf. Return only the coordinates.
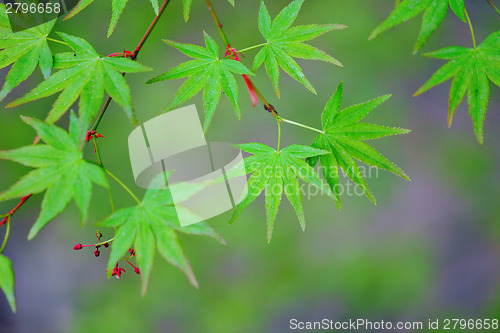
(187, 7)
(276, 172)
(343, 139)
(285, 43)
(434, 14)
(154, 224)
(7, 281)
(208, 72)
(470, 68)
(26, 50)
(87, 75)
(117, 6)
(60, 170)
(5, 27)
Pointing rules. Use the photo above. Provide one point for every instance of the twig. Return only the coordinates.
(217, 22)
(151, 27)
(106, 104)
(9, 214)
(494, 6)
(134, 57)
(267, 106)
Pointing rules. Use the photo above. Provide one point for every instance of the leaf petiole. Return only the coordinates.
(122, 185)
(300, 125)
(279, 133)
(217, 22)
(6, 237)
(98, 154)
(252, 47)
(471, 29)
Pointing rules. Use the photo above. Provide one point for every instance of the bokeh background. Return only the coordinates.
(428, 250)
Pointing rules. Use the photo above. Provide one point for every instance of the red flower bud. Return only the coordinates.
(136, 269)
(96, 252)
(106, 245)
(233, 54)
(78, 247)
(89, 136)
(132, 252)
(117, 271)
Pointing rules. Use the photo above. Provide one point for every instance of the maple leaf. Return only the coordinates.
(470, 68)
(87, 75)
(25, 50)
(117, 7)
(153, 224)
(7, 281)
(208, 72)
(276, 172)
(285, 43)
(343, 139)
(434, 14)
(60, 170)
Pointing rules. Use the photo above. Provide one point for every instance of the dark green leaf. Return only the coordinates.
(117, 7)
(434, 13)
(207, 72)
(264, 20)
(153, 225)
(471, 70)
(26, 50)
(86, 76)
(7, 281)
(433, 16)
(61, 171)
(285, 43)
(342, 138)
(277, 172)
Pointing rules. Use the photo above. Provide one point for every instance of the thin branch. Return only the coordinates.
(267, 106)
(134, 57)
(494, 6)
(101, 114)
(9, 214)
(108, 101)
(150, 29)
(217, 22)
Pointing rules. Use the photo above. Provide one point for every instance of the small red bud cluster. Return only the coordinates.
(90, 135)
(124, 54)
(97, 245)
(117, 271)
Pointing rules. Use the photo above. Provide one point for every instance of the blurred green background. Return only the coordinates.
(429, 250)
